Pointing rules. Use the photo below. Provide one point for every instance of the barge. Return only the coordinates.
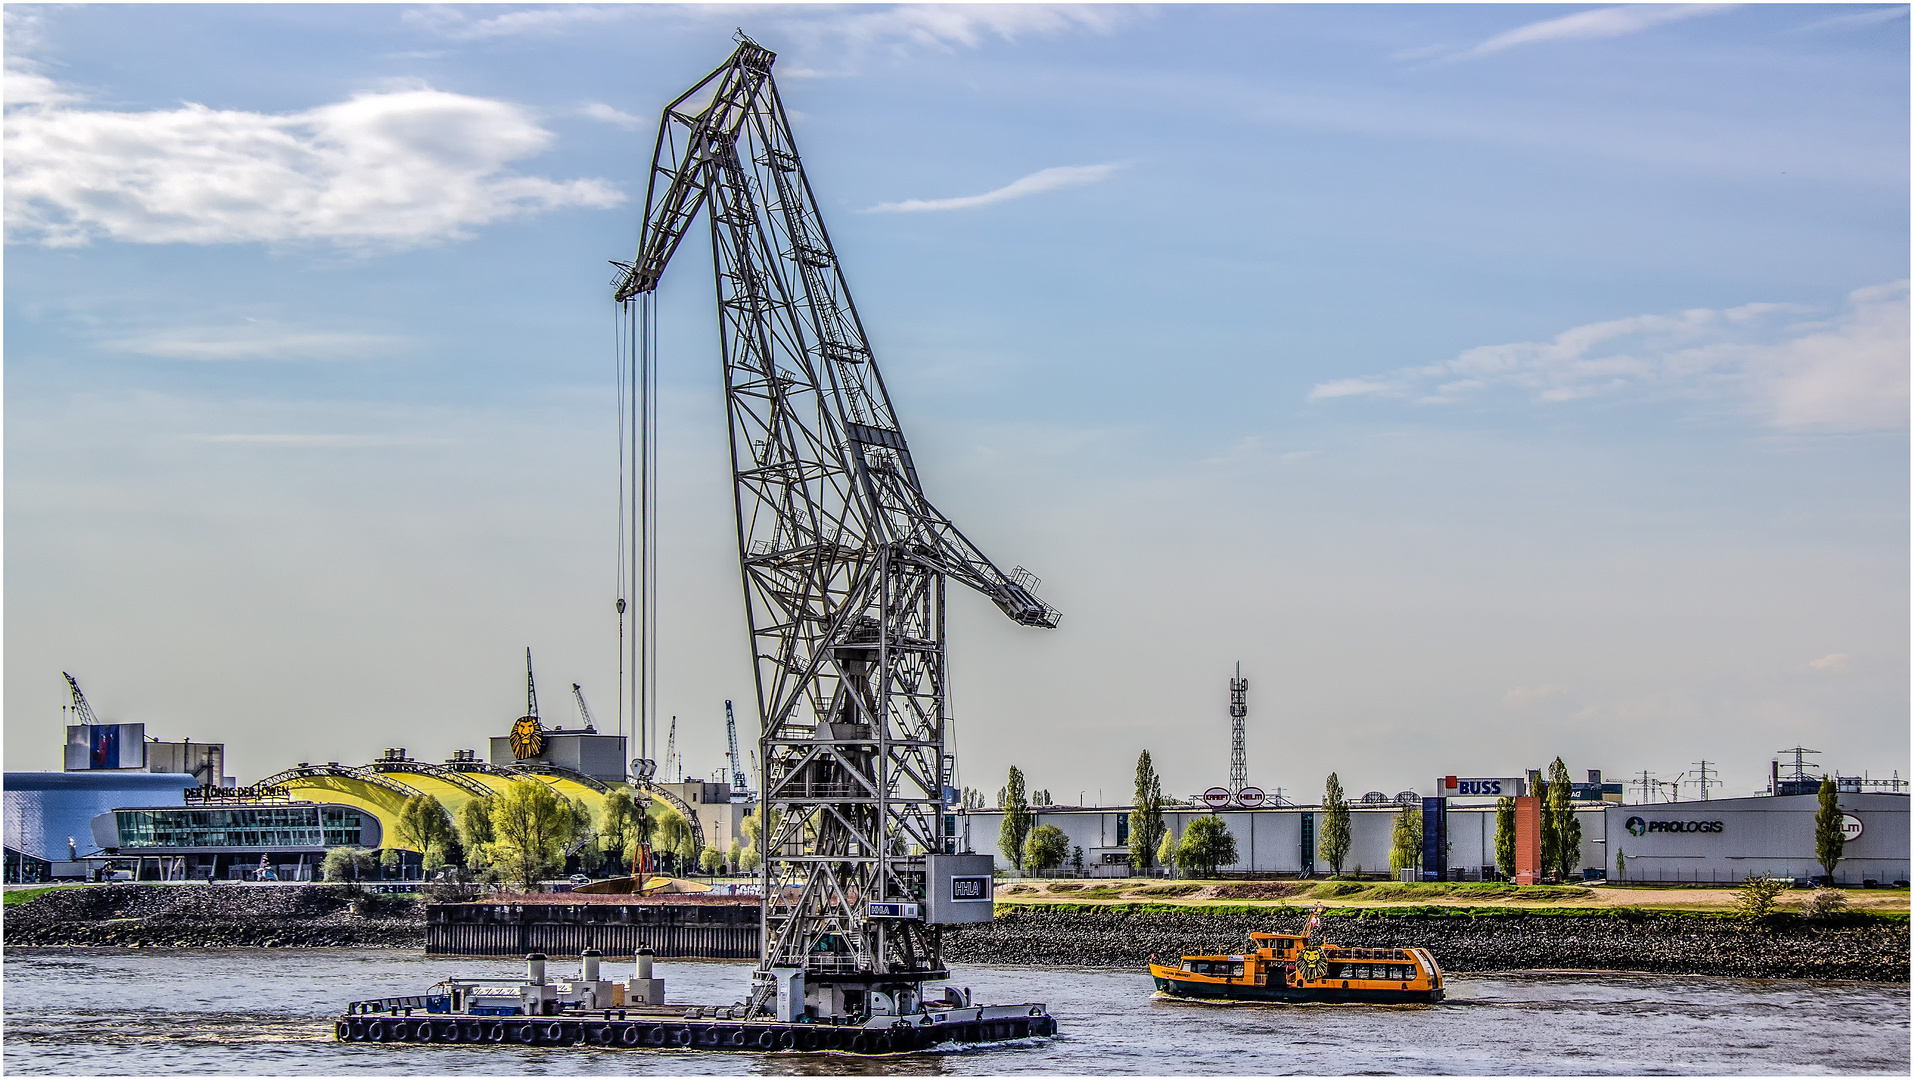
(633, 1014)
(1300, 968)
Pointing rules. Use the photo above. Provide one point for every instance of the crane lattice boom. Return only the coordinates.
(844, 558)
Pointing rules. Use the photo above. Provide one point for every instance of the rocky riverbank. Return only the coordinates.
(216, 916)
(316, 916)
(1869, 949)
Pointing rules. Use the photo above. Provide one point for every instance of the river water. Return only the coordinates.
(267, 1011)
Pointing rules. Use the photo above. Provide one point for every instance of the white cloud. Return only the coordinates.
(1348, 388)
(598, 110)
(1846, 373)
(255, 340)
(945, 25)
(1529, 695)
(1609, 22)
(1886, 13)
(459, 25)
(397, 169)
(1040, 181)
(353, 442)
(1831, 662)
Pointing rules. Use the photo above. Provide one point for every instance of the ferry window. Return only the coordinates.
(1236, 969)
(1188, 966)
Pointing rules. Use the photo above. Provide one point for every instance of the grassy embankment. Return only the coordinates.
(1592, 898)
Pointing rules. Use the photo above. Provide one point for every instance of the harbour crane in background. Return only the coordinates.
(672, 767)
(82, 711)
(738, 781)
(844, 559)
(584, 710)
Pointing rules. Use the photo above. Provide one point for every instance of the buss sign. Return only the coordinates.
(1481, 787)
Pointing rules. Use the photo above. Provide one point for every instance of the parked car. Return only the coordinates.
(581, 879)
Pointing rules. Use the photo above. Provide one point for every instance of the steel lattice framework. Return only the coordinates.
(844, 559)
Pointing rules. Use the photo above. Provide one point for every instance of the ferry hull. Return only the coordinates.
(1330, 994)
(688, 1034)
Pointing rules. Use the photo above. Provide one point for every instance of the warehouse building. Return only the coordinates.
(1730, 840)
(1720, 840)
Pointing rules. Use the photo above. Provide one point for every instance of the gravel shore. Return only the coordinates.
(1871, 950)
(320, 916)
(216, 916)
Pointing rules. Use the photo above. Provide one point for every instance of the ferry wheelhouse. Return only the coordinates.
(1289, 967)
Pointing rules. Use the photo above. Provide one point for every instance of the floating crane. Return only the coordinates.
(844, 558)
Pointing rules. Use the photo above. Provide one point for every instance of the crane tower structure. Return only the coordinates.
(844, 559)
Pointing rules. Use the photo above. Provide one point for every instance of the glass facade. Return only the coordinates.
(306, 825)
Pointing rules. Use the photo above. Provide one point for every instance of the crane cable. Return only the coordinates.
(635, 333)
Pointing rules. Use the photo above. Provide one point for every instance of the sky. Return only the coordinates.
(1494, 383)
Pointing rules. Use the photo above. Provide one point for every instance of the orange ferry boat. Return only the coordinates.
(1290, 967)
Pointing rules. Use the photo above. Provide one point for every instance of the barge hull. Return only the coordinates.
(689, 1034)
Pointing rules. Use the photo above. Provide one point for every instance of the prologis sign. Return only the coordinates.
(1481, 787)
(1638, 826)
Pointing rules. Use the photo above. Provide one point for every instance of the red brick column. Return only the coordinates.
(1528, 839)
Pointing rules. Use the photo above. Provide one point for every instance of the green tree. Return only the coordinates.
(1505, 836)
(1551, 848)
(475, 831)
(424, 826)
(1166, 849)
(711, 861)
(1621, 864)
(1332, 839)
(1568, 829)
(1405, 841)
(1146, 814)
(625, 826)
(1044, 848)
(751, 856)
(348, 864)
(531, 824)
(1017, 819)
(734, 855)
(1207, 844)
(1829, 839)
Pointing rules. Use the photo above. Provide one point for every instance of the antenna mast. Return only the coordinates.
(1238, 712)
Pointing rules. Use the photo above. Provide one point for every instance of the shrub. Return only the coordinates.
(1824, 902)
(1755, 899)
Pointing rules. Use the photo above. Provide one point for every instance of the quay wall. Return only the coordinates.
(1864, 948)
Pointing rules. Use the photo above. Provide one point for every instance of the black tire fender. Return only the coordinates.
(375, 1030)
(630, 1035)
(497, 1034)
